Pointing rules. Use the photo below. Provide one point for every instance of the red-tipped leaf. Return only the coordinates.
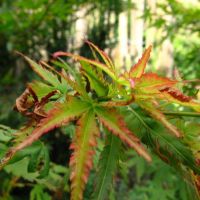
(81, 160)
(115, 123)
(138, 69)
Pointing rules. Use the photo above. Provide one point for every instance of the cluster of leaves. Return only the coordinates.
(28, 169)
(98, 100)
(142, 181)
(53, 23)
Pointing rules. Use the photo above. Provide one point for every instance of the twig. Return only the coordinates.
(186, 114)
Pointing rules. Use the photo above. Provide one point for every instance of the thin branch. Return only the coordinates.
(185, 114)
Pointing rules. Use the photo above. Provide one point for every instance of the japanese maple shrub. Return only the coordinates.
(96, 97)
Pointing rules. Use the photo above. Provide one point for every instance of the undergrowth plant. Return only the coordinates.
(101, 102)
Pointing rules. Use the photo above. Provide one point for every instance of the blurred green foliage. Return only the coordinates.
(180, 23)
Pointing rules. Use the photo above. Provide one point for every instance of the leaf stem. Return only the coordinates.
(138, 116)
(187, 114)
